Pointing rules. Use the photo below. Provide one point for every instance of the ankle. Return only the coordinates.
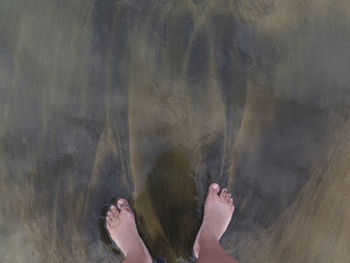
(209, 231)
(137, 254)
(137, 259)
(207, 237)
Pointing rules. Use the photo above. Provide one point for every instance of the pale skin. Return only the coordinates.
(218, 210)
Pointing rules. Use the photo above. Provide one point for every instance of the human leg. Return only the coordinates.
(217, 215)
(121, 228)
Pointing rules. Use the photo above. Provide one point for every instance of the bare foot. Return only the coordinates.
(218, 212)
(122, 230)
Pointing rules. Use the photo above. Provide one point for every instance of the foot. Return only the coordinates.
(218, 212)
(121, 228)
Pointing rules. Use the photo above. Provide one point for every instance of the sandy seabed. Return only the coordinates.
(154, 100)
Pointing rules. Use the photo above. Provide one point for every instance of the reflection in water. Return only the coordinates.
(153, 100)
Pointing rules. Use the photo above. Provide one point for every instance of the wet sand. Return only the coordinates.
(154, 100)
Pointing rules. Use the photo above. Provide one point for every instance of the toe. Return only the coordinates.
(110, 215)
(124, 206)
(223, 194)
(109, 220)
(108, 226)
(214, 188)
(228, 197)
(114, 211)
(122, 203)
(231, 201)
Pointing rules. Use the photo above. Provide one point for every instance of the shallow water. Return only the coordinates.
(154, 100)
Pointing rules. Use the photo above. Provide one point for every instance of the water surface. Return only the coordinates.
(154, 100)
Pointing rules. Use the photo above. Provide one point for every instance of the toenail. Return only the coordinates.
(215, 186)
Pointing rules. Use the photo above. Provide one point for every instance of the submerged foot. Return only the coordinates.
(121, 228)
(218, 210)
